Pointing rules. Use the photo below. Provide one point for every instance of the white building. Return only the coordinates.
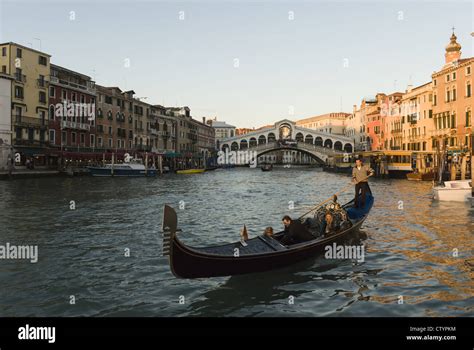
(6, 108)
(5, 121)
(223, 130)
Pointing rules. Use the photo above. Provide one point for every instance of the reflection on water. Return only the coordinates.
(416, 250)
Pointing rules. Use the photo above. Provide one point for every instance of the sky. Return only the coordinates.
(248, 63)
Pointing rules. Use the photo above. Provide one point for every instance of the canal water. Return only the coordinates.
(103, 258)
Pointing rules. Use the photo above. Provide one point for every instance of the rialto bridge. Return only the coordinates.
(286, 136)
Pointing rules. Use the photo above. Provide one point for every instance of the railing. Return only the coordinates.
(56, 80)
(28, 121)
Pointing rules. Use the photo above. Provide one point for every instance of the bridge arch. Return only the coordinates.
(309, 139)
(318, 141)
(313, 156)
(271, 137)
(244, 144)
(234, 146)
(328, 143)
(338, 146)
(225, 147)
(252, 142)
(262, 140)
(348, 148)
(299, 137)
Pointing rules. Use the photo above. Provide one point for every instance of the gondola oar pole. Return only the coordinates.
(335, 194)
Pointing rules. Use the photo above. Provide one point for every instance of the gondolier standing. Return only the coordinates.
(360, 175)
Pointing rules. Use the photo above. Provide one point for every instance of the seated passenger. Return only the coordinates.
(295, 232)
(268, 232)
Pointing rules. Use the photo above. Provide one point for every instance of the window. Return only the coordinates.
(447, 77)
(73, 97)
(52, 136)
(468, 70)
(99, 141)
(118, 102)
(448, 95)
(64, 138)
(434, 99)
(51, 112)
(83, 99)
(468, 89)
(83, 138)
(18, 113)
(454, 94)
(19, 92)
(42, 97)
(92, 140)
(434, 82)
(42, 116)
(430, 113)
(43, 60)
(110, 143)
(4, 69)
(454, 75)
(18, 53)
(110, 130)
(73, 137)
(108, 100)
(4, 51)
(52, 91)
(468, 117)
(64, 95)
(41, 81)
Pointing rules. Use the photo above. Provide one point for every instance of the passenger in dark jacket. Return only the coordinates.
(295, 232)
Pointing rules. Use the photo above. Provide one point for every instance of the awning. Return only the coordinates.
(172, 155)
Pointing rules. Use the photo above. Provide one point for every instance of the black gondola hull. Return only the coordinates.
(187, 263)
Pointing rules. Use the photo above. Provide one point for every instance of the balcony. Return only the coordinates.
(87, 88)
(67, 124)
(28, 121)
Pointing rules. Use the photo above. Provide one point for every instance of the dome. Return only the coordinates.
(453, 44)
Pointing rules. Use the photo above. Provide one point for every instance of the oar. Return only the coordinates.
(335, 194)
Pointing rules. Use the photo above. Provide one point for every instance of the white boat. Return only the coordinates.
(454, 191)
(133, 168)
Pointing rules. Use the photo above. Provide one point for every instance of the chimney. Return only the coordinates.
(204, 120)
(409, 88)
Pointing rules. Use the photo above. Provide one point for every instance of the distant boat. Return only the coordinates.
(267, 167)
(190, 171)
(453, 191)
(132, 169)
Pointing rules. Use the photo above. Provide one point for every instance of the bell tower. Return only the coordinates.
(453, 50)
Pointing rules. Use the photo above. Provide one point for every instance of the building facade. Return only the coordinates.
(5, 109)
(417, 118)
(30, 70)
(222, 130)
(452, 99)
(331, 123)
(72, 110)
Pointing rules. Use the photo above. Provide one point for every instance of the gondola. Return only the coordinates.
(267, 167)
(256, 255)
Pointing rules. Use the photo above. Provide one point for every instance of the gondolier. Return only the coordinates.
(360, 175)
